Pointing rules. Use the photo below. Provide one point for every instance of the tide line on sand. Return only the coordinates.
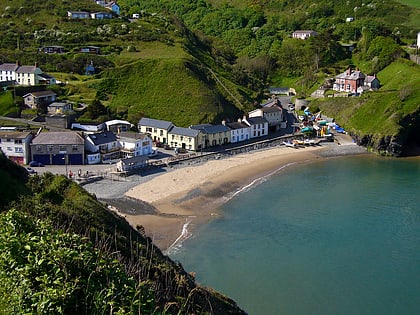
(185, 234)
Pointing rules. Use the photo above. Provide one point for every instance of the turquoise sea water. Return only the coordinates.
(339, 236)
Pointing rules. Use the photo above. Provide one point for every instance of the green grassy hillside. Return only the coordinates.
(63, 252)
(393, 111)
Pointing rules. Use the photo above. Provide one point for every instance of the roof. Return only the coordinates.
(270, 109)
(354, 75)
(14, 135)
(117, 122)
(26, 69)
(40, 94)
(132, 135)
(278, 90)
(304, 32)
(370, 78)
(88, 128)
(102, 138)
(188, 132)
(208, 128)
(257, 120)
(8, 67)
(58, 137)
(162, 124)
(237, 125)
(59, 104)
(135, 159)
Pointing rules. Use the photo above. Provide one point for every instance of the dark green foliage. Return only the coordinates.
(63, 252)
(12, 181)
(48, 271)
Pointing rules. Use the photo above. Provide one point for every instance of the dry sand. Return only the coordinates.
(192, 194)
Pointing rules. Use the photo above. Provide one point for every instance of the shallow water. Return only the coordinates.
(330, 237)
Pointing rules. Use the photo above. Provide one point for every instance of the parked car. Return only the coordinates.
(35, 164)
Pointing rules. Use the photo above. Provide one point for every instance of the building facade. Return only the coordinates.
(16, 145)
(157, 129)
(58, 148)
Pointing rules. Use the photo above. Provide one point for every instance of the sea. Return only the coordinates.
(337, 236)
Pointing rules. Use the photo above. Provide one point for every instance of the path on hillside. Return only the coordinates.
(223, 86)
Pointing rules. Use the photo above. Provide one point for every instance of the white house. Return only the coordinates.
(117, 125)
(273, 114)
(303, 34)
(258, 125)
(134, 144)
(239, 131)
(16, 145)
(105, 143)
(24, 75)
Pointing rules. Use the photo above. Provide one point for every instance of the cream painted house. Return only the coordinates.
(24, 75)
(157, 129)
(184, 138)
(212, 135)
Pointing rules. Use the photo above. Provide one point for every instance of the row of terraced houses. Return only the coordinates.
(113, 140)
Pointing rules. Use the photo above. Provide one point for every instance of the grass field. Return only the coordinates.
(411, 3)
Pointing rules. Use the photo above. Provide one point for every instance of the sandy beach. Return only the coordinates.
(171, 204)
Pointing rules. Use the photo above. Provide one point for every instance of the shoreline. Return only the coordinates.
(171, 205)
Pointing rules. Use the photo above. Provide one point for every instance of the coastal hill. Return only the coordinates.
(208, 61)
(63, 252)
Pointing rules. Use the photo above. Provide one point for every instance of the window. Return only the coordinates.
(18, 150)
(9, 149)
(50, 148)
(149, 129)
(39, 147)
(74, 148)
(161, 133)
(63, 148)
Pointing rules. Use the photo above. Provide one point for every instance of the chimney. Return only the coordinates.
(239, 120)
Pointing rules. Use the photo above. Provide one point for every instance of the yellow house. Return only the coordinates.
(184, 138)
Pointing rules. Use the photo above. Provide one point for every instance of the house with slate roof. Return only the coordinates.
(16, 145)
(157, 129)
(134, 144)
(36, 99)
(239, 131)
(78, 15)
(58, 148)
(105, 143)
(24, 75)
(273, 114)
(258, 125)
(132, 164)
(349, 81)
(185, 138)
(213, 135)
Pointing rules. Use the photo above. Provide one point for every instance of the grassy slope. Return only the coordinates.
(380, 113)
